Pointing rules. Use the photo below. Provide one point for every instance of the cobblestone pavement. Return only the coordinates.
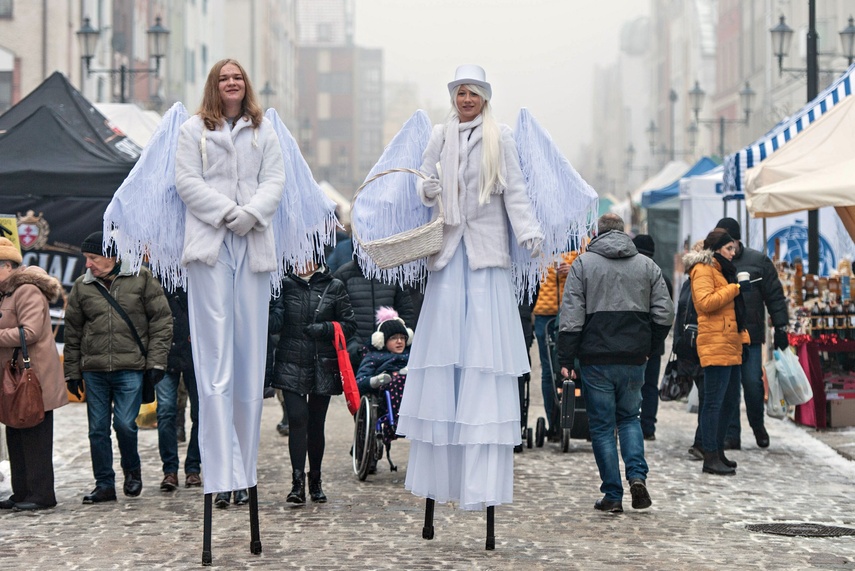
(697, 521)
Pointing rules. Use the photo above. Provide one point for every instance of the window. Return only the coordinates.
(5, 8)
(5, 90)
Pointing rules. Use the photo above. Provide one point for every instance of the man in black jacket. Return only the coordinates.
(366, 297)
(766, 293)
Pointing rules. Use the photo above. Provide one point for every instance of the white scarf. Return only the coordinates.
(449, 158)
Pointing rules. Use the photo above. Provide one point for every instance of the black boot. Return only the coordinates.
(714, 465)
(725, 460)
(298, 488)
(133, 483)
(315, 491)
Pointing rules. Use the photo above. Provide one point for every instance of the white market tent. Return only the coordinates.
(137, 123)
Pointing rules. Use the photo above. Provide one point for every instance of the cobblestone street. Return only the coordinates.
(697, 521)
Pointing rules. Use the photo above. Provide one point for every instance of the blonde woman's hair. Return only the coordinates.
(491, 172)
(211, 109)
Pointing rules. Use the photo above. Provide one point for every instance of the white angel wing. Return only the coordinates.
(146, 215)
(305, 220)
(390, 204)
(564, 204)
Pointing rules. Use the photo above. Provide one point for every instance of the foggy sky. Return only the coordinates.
(538, 54)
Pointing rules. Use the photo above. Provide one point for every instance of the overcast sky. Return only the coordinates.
(539, 54)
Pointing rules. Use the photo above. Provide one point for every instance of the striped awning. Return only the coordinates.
(736, 165)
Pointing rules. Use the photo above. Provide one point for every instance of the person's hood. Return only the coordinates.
(692, 259)
(613, 244)
(34, 275)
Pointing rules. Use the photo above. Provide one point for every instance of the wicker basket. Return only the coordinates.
(407, 246)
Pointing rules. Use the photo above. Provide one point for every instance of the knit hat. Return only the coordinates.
(390, 324)
(470, 75)
(94, 244)
(9, 252)
(732, 227)
(644, 244)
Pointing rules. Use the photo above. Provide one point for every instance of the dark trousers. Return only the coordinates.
(307, 415)
(650, 395)
(31, 462)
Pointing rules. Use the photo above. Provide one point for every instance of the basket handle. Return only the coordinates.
(384, 173)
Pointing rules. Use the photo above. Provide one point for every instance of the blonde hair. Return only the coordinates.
(211, 109)
(491, 172)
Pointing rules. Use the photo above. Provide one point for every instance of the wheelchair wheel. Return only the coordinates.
(529, 441)
(363, 438)
(540, 432)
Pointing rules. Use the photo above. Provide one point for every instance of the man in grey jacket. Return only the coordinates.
(615, 311)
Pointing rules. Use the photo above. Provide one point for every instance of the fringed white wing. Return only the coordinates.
(146, 215)
(305, 221)
(564, 204)
(390, 204)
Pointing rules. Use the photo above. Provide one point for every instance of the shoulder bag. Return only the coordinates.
(348, 379)
(21, 403)
(676, 384)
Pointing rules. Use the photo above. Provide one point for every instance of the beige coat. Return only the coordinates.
(25, 297)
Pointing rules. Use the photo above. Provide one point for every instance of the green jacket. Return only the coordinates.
(98, 339)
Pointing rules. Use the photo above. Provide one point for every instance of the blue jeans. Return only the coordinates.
(167, 438)
(613, 399)
(650, 395)
(755, 394)
(121, 391)
(547, 380)
(721, 388)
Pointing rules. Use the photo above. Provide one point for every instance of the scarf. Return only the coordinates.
(728, 270)
(449, 158)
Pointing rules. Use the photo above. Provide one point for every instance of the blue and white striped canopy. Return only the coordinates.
(736, 165)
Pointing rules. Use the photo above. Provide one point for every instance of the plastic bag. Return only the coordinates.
(776, 406)
(791, 377)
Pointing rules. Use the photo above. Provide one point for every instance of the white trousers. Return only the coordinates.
(228, 308)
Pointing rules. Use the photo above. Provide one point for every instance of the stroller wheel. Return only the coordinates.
(528, 437)
(565, 439)
(540, 432)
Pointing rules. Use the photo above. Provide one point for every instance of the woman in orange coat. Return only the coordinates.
(721, 336)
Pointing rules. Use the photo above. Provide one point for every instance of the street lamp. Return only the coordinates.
(266, 92)
(157, 38)
(696, 99)
(782, 39)
(847, 40)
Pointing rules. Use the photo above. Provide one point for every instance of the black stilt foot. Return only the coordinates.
(491, 534)
(427, 530)
(255, 543)
(206, 533)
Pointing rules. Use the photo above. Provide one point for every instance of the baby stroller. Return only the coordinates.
(568, 413)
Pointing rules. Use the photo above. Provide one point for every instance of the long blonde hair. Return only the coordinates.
(211, 109)
(491, 171)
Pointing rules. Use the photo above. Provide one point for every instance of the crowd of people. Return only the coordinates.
(455, 382)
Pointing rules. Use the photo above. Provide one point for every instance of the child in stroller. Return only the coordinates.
(384, 368)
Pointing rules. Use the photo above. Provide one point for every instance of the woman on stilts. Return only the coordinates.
(460, 408)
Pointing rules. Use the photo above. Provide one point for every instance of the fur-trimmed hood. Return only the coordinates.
(49, 285)
(692, 259)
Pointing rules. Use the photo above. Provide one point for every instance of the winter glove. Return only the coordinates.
(75, 387)
(431, 188)
(269, 392)
(403, 371)
(380, 380)
(240, 221)
(744, 281)
(533, 244)
(318, 330)
(154, 376)
(781, 340)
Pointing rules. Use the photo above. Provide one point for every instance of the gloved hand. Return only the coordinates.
(240, 222)
(154, 376)
(318, 330)
(75, 387)
(533, 244)
(744, 281)
(269, 392)
(431, 188)
(380, 380)
(781, 340)
(403, 371)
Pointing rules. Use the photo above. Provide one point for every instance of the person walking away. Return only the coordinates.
(614, 312)
(25, 295)
(766, 293)
(650, 389)
(112, 357)
(722, 335)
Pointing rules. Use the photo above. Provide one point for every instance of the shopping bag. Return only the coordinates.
(348, 379)
(776, 406)
(791, 377)
(675, 384)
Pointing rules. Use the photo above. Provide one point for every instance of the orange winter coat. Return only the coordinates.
(552, 288)
(719, 341)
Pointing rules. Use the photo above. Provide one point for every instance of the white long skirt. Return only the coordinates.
(461, 407)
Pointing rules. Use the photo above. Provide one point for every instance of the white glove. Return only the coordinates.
(403, 371)
(533, 244)
(240, 222)
(430, 190)
(380, 380)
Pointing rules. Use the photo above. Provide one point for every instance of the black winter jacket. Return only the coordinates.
(764, 294)
(180, 356)
(366, 297)
(299, 306)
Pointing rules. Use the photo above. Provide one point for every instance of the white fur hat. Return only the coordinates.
(470, 75)
(389, 324)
